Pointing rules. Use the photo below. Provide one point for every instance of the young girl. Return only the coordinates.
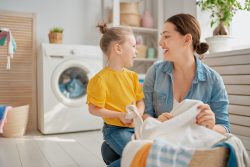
(115, 87)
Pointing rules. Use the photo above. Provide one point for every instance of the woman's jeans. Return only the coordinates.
(116, 138)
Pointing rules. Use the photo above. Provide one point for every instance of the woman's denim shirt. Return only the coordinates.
(207, 87)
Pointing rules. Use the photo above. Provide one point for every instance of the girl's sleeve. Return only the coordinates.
(96, 92)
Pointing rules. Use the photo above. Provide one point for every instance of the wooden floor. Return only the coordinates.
(62, 150)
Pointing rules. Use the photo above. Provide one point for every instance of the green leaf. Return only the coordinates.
(56, 29)
(222, 10)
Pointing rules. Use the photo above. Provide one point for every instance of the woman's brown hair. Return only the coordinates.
(187, 24)
(114, 34)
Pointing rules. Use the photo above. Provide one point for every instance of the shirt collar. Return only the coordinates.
(200, 70)
(200, 73)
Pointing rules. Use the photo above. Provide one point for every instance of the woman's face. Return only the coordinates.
(129, 51)
(172, 42)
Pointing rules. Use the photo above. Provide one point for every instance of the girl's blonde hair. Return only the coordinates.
(114, 34)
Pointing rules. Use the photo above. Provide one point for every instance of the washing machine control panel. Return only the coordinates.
(59, 50)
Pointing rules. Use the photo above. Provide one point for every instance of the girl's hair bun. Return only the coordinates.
(103, 27)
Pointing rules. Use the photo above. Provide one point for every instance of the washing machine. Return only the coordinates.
(63, 75)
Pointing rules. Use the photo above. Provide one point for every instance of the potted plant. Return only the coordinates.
(221, 15)
(55, 35)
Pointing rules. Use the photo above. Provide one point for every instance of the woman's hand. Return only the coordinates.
(165, 116)
(124, 120)
(206, 116)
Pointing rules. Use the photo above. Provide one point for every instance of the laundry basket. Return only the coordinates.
(216, 157)
(17, 120)
(136, 153)
(130, 14)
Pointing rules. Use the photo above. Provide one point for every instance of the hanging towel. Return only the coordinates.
(3, 116)
(5, 35)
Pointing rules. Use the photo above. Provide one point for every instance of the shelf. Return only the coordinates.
(147, 37)
(145, 30)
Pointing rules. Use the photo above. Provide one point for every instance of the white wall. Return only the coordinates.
(77, 17)
(173, 7)
(189, 6)
(203, 18)
(240, 30)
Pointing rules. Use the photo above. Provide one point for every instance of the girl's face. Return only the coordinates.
(129, 51)
(172, 42)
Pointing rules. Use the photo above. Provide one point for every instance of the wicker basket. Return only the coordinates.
(216, 157)
(130, 19)
(141, 51)
(17, 120)
(129, 14)
(55, 37)
(128, 7)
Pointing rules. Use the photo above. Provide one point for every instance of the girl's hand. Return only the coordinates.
(165, 116)
(206, 116)
(122, 117)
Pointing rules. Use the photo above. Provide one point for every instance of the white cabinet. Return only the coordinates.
(149, 37)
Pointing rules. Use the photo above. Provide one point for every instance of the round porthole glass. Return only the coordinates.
(73, 83)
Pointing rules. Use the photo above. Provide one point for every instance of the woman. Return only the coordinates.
(183, 76)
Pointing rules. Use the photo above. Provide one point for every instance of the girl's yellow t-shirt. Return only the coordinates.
(114, 90)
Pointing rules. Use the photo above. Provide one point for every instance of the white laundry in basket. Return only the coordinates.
(180, 130)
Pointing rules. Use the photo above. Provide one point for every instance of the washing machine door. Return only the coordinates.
(69, 82)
